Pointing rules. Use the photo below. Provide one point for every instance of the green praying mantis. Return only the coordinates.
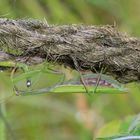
(106, 85)
(92, 83)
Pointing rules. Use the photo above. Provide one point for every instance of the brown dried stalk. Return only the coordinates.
(92, 47)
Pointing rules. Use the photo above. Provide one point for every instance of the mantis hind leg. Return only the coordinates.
(81, 78)
(98, 79)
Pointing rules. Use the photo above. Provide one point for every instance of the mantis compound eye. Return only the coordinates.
(28, 83)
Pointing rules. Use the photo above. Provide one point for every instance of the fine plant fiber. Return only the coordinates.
(31, 42)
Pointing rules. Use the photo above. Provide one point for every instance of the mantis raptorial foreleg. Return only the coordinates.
(32, 73)
(15, 65)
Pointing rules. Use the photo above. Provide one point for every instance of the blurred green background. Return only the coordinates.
(69, 116)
